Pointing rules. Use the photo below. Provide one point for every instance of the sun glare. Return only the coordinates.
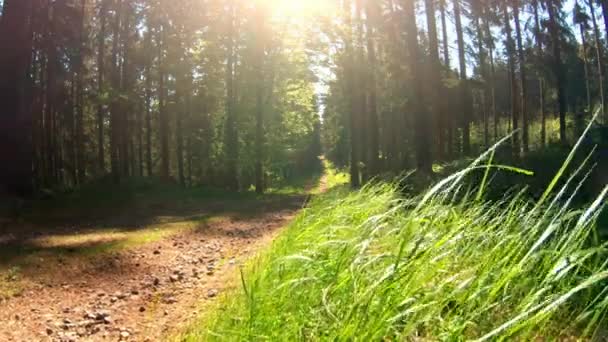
(294, 9)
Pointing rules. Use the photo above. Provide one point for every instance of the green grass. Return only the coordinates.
(446, 265)
(10, 284)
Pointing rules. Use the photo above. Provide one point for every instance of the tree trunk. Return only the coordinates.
(231, 141)
(15, 120)
(50, 103)
(101, 47)
(422, 120)
(396, 121)
(360, 79)
(541, 83)
(522, 79)
(512, 80)
(478, 11)
(126, 86)
(372, 110)
(349, 71)
(600, 64)
(114, 108)
(604, 4)
(435, 78)
(259, 94)
(558, 69)
(164, 118)
(465, 91)
(492, 77)
(179, 135)
(447, 119)
(148, 100)
(79, 134)
(586, 66)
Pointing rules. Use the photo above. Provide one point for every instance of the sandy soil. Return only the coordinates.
(144, 293)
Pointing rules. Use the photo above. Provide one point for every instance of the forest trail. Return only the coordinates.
(140, 293)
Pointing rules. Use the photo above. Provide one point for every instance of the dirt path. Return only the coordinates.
(138, 294)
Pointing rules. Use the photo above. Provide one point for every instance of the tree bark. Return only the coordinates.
(541, 83)
(360, 79)
(522, 78)
(372, 98)
(51, 150)
(115, 104)
(179, 135)
(600, 63)
(101, 44)
(435, 79)
(259, 94)
(604, 4)
(15, 120)
(349, 71)
(126, 86)
(512, 80)
(231, 140)
(79, 133)
(148, 100)
(422, 120)
(492, 76)
(558, 69)
(448, 125)
(585, 65)
(465, 92)
(162, 96)
(478, 11)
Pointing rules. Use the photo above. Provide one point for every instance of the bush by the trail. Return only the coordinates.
(371, 265)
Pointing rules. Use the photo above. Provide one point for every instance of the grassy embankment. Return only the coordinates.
(445, 265)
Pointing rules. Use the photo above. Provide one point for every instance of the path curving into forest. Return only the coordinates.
(144, 293)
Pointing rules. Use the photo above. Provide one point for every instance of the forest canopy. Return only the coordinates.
(238, 94)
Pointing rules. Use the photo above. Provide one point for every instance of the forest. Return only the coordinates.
(295, 170)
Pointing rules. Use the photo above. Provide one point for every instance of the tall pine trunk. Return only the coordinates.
(435, 78)
(541, 82)
(372, 110)
(447, 123)
(421, 117)
(115, 102)
(600, 63)
(231, 139)
(477, 11)
(101, 51)
(79, 134)
(465, 92)
(15, 120)
(512, 80)
(585, 65)
(604, 4)
(492, 76)
(522, 79)
(179, 135)
(162, 97)
(50, 102)
(259, 94)
(359, 94)
(355, 180)
(558, 69)
(148, 101)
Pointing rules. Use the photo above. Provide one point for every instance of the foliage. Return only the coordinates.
(372, 265)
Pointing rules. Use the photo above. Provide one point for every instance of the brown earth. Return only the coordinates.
(142, 293)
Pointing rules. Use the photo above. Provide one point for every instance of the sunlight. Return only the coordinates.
(294, 9)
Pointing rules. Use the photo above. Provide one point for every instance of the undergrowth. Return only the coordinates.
(371, 265)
